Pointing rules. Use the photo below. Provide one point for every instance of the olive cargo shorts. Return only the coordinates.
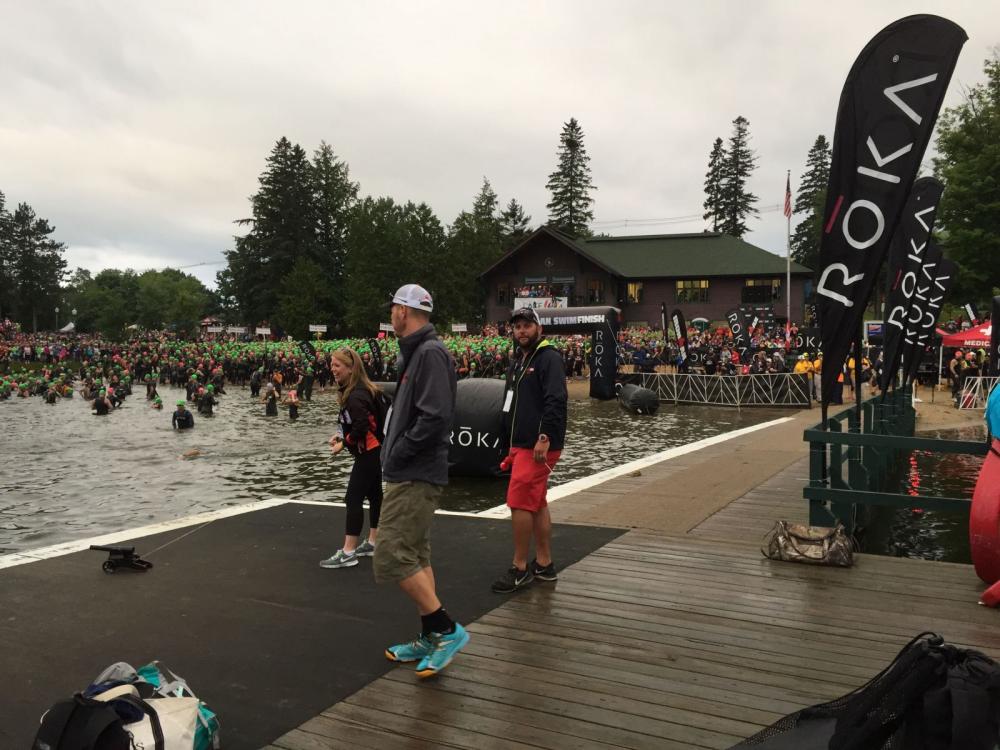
(404, 530)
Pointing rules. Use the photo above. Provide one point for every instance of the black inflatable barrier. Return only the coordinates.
(637, 399)
(477, 426)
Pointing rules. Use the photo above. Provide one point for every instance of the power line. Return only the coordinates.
(205, 263)
(615, 223)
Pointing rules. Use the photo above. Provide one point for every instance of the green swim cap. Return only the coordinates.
(181, 403)
(209, 387)
(157, 400)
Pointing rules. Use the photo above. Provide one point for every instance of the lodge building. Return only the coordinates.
(704, 274)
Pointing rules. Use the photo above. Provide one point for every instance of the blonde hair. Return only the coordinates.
(358, 376)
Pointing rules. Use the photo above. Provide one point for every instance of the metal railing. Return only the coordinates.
(778, 389)
(976, 390)
(851, 463)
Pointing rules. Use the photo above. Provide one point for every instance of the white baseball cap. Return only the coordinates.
(415, 296)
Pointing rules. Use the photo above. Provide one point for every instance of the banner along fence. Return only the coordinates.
(778, 389)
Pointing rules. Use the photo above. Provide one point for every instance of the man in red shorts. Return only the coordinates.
(534, 417)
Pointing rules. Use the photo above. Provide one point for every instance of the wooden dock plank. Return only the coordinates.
(667, 641)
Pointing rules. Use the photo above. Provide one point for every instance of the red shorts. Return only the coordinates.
(529, 479)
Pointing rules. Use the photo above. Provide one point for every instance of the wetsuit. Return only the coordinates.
(100, 406)
(182, 420)
(206, 404)
(271, 407)
(307, 386)
(293, 410)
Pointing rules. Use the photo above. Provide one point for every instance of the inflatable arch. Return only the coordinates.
(602, 323)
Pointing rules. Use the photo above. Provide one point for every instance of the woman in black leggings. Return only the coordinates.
(357, 431)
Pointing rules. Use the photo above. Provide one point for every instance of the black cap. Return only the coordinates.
(528, 313)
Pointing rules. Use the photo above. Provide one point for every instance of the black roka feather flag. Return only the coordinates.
(907, 253)
(741, 336)
(995, 338)
(681, 333)
(939, 274)
(886, 114)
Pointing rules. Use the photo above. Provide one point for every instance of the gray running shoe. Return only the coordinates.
(340, 559)
(365, 549)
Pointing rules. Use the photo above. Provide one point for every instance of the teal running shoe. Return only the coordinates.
(446, 646)
(415, 650)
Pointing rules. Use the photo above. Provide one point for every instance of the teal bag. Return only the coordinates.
(169, 685)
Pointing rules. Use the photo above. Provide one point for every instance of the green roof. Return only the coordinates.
(698, 255)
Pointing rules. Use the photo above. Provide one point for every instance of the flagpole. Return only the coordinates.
(788, 260)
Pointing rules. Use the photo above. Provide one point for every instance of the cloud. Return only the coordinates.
(139, 129)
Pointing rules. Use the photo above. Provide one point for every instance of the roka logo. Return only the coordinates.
(869, 223)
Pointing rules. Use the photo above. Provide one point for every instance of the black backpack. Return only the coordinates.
(86, 724)
(382, 404)
(932, 696)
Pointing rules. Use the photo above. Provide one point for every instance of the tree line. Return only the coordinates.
(316, 251)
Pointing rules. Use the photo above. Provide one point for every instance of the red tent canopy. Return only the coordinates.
(975, 337)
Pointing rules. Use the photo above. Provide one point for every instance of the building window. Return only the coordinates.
(692, 290)
(503, 294)
(634, 292)
(595, 292)
(761, 291)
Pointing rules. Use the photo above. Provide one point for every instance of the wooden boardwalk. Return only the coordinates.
(666, 641)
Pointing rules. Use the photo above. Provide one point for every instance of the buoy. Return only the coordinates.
(984, 518)
(637, 399)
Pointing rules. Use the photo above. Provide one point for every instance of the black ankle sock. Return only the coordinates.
(437, 622)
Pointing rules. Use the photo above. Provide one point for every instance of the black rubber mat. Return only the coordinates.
(242, 610)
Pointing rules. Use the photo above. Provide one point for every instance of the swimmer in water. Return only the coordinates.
(157, 403)
(182, 419)
(101, 405)
(270, 398)
(207, 401)
(292, 399)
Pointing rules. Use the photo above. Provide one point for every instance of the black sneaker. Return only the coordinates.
(512, 580)
(546, 573)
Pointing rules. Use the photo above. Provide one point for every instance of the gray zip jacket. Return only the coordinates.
(419, 434)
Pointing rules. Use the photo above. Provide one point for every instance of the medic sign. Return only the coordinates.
(887, 111)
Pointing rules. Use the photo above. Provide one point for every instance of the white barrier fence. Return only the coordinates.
(777, 389)
(975, 391)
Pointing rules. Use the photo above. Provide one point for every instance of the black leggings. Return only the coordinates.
(365, 481)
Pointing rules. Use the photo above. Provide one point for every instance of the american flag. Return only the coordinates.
(788, 196)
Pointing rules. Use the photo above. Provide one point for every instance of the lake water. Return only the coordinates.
(70, 475)
(929, 535)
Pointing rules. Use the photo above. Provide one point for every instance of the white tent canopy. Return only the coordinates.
(68, 328)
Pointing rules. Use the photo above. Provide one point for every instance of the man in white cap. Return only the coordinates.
(415, 468)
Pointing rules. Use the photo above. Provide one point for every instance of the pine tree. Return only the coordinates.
(335, 194)
(713, 185)
(968, 164)
(6, 261)
(283, 227)
(570, 210)
(811, 201)
(474, 244)
(513, 225)
(38, 265)
(737, 202)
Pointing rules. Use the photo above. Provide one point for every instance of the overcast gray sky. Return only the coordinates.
(139, 128)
